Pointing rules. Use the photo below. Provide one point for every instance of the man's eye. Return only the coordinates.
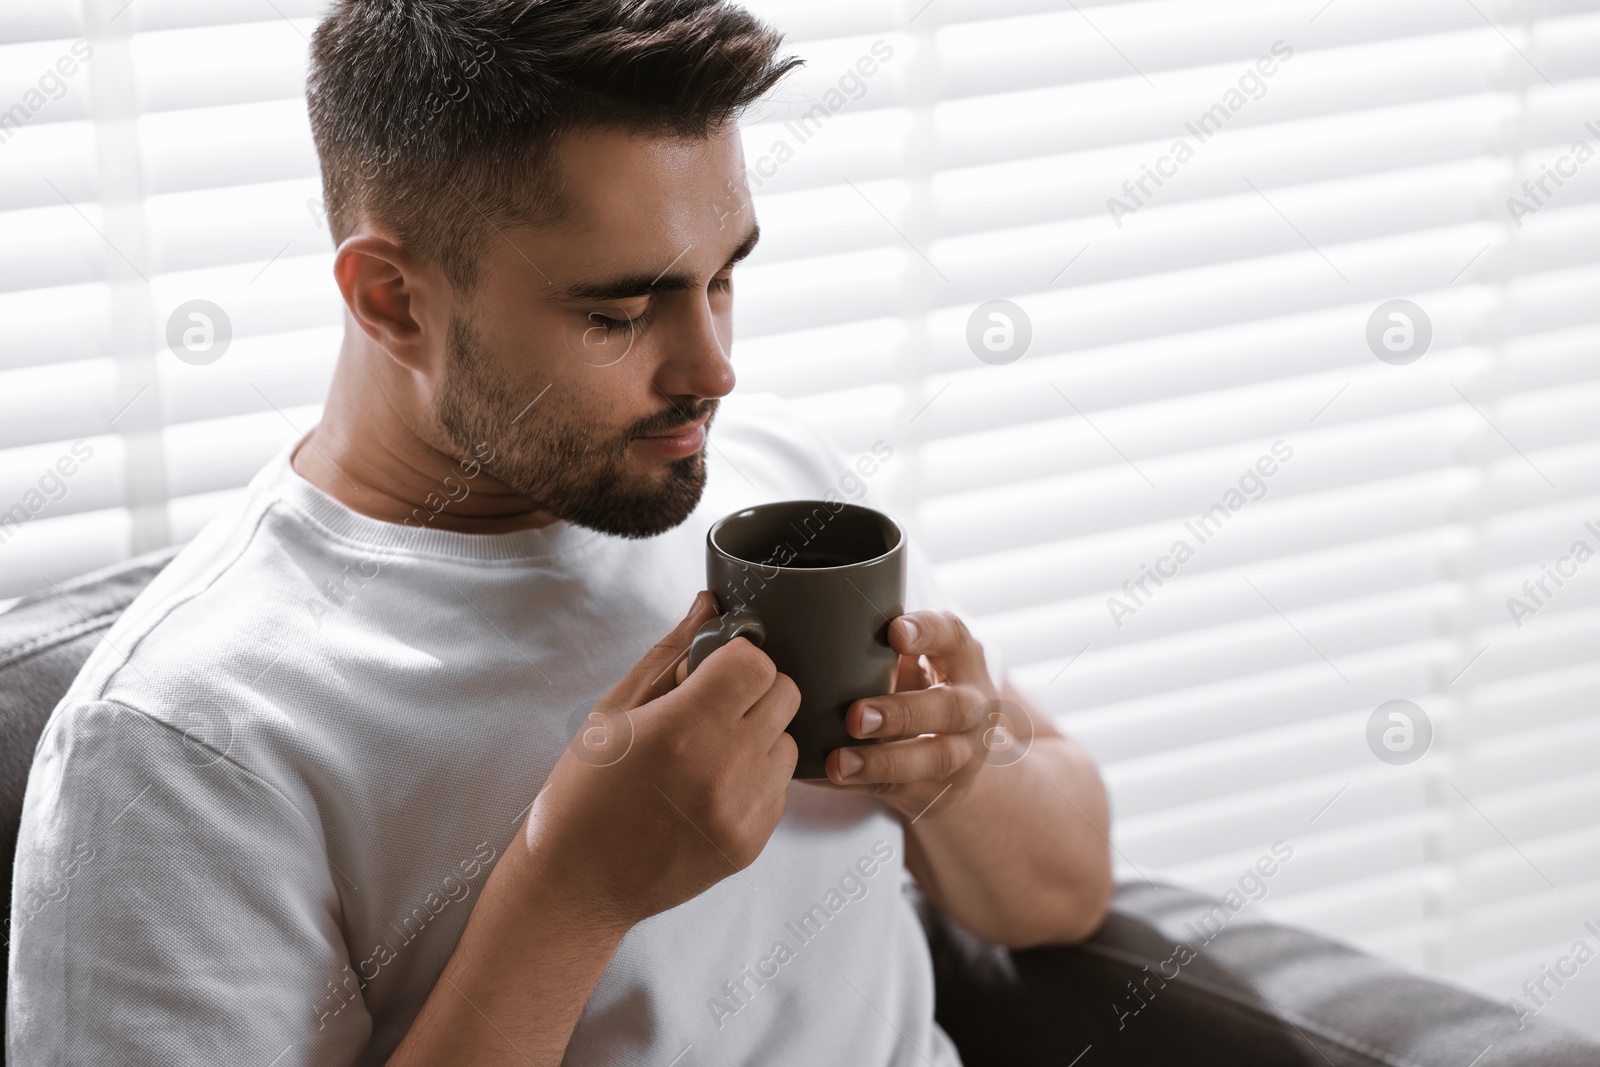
(722, 285)
(611, 325)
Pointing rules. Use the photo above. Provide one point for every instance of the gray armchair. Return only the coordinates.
(1257, 993)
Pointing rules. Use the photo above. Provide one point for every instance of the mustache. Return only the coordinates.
(673, 418)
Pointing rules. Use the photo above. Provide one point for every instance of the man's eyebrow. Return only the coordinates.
(633, 285)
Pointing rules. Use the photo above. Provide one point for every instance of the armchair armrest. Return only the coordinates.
(1165, 981)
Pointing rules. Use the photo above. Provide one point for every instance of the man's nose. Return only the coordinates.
(696, 360)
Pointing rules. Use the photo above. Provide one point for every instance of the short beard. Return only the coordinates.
(551, 454)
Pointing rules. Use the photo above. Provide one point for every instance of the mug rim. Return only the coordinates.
(716, 527)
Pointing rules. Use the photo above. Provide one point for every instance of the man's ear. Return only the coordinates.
(390, 296)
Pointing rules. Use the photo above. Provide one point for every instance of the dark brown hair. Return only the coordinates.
(436, 118)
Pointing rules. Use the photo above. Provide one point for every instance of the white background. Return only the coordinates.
(1171, 348)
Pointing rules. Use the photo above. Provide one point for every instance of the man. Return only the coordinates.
(313, 800)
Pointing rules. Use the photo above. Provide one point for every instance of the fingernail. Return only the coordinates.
(871, 719)
(694, 604)
(909, 628)
(849, 763)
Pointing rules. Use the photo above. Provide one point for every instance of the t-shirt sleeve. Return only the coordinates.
(857, 480)
(169, 906)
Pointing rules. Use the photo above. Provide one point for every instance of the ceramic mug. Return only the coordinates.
(815, 585)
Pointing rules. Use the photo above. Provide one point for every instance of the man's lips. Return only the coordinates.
(683, 441)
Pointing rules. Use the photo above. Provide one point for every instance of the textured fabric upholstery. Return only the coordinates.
(1257, 993)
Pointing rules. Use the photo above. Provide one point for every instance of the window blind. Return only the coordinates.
(1200, 215)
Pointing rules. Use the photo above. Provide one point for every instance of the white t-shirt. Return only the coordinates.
(257, 823)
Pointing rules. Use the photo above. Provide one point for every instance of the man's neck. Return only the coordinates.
(370, 458)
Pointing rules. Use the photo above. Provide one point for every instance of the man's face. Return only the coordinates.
(583, 344)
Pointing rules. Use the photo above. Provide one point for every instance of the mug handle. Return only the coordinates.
(714, 633)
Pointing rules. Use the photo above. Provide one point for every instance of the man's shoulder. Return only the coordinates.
(771, 443)
(206, 624)
(774, 444)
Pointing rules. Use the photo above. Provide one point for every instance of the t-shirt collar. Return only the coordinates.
(279, 478)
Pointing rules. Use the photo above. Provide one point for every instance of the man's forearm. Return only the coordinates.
(1022, 858)
(519, 978)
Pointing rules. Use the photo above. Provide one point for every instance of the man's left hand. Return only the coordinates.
(935, 728)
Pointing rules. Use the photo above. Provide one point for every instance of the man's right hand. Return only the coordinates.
(686, 789)
(686, 784)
